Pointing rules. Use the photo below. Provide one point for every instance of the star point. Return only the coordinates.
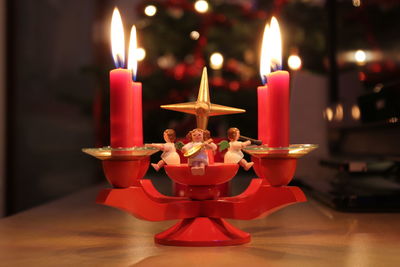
(203, 108)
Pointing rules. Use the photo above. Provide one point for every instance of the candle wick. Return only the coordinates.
(264, 79)
(274, 67)
(133, 76)
(119, 62)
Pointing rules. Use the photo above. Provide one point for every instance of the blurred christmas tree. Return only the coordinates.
(180, 39)
(182, 36)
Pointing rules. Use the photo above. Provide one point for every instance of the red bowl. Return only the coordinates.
(276, 171)
(217, 173)
(125, 173)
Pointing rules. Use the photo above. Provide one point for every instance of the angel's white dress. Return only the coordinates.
(234, 153)
(170, 156)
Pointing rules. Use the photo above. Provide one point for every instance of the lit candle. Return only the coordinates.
(137, 91)
(273, 100)
(265, 69)
(121, 94)
(277, 111)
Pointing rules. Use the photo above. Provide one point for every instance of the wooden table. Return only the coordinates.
(76, 232)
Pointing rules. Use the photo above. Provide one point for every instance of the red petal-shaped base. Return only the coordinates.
(202, 232)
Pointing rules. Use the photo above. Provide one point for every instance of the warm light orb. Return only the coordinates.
(378, 87)
(339, 112)
(201, 6)
(140, 54)
(360, 56)
(328, 114)
(195, 35)
(150, 10)
(355, 112)
(357, 3)
(294, 62)
(117, 39)
(132, 55)
(216, 61)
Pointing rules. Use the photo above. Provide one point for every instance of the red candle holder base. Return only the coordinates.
(202, 221)
(202, 211)
(202, 232)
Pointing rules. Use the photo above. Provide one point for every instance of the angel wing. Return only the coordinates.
(224, 144)
(179, 145)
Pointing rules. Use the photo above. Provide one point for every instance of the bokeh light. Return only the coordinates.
(216, 61)
(201, 6)
(294, 62)
(195, 35)
(150, 10)
(140, 54)
(360, 56)
(355, 112)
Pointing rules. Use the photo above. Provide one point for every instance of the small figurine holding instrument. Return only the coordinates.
(195, 150)
(169, 155)
(234, 153)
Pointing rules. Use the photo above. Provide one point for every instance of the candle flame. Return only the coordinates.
(271, 49)
(276, 45)
(133, 53)
(265, 67)
(117, 39)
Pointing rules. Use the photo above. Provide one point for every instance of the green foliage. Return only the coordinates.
(224, 144)
(179, 145)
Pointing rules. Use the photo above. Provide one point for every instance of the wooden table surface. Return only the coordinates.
(74, 231)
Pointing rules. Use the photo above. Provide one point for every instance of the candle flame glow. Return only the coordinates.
(133, 53)
(271, 49)
(276, 45)
(117, 39)
(265, 67)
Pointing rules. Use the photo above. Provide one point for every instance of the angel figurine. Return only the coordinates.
(234, 153)
(169, 155)
(195, 150)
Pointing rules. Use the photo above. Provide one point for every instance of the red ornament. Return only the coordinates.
(234, 86)
(232, 65)
(375, 67)
(179, 71)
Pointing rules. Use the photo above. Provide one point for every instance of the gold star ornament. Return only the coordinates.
(203, 108)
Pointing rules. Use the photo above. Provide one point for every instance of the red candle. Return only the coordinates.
(137, 117)
(121, 108)
(276, 111)
(265, 69)
(277, 114)
(137, 91)
(126, 124)
(262, 113)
